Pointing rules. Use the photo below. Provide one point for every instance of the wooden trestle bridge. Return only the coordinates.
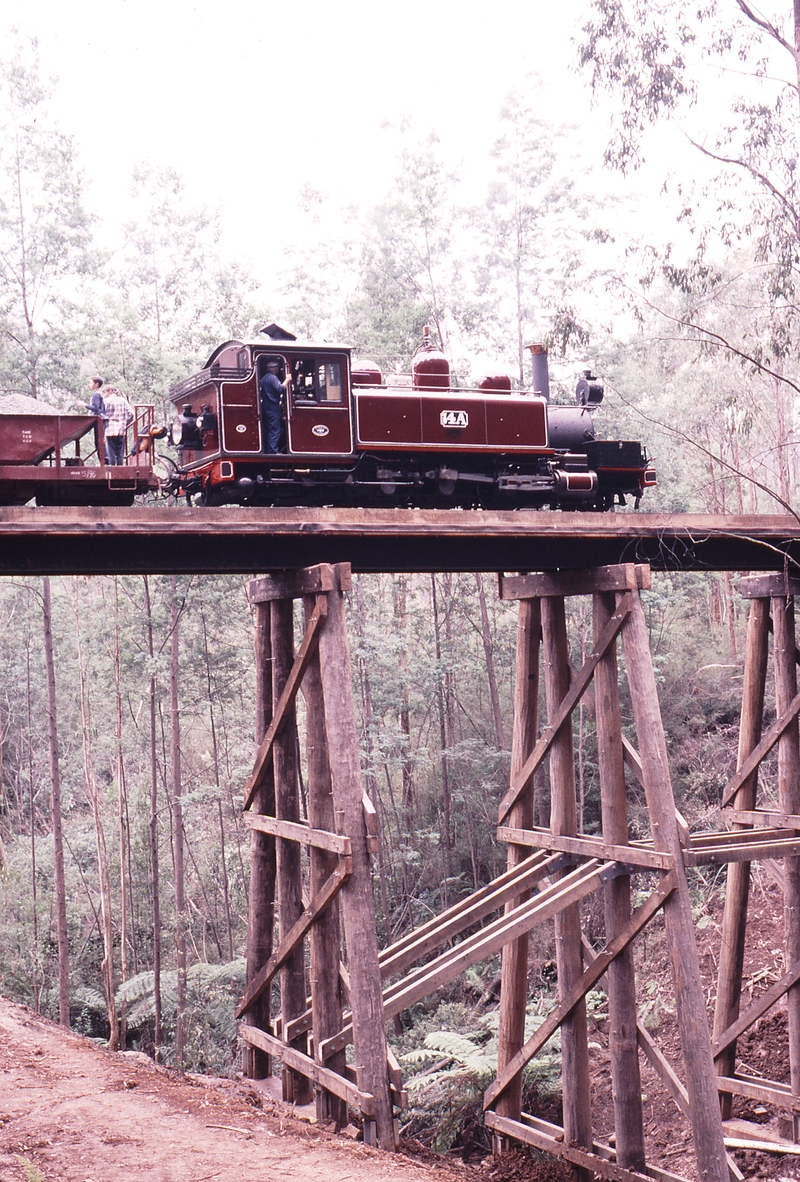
(164, 539)
(326, 1000)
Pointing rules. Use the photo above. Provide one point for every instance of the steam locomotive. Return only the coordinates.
(346, 436)
(352, 437)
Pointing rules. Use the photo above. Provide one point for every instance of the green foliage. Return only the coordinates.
(451, 1068)
(31, 1171)
(213, 991)
(44, 237)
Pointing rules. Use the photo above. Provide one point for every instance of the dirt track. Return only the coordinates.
(72, 1112)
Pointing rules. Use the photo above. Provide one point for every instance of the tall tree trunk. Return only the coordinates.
(32, 820)
(122, 820)
(155, 884)
(220, 817)
(177, 826)
(446, 794)
(401, 619)
(55, 810)
(488, 649)
(104, 878)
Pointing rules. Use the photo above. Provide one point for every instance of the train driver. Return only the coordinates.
(271, 389)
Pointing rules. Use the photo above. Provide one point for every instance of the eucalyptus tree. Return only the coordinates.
(172, 296)
(726, 76)
(45, 235)
(537, 233)
(410, 268)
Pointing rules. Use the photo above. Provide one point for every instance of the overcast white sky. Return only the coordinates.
(248, 99)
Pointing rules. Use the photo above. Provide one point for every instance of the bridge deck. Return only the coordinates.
(160, 540)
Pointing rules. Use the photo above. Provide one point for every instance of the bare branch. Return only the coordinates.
(718, 339)
(759, 176)
(766, 25)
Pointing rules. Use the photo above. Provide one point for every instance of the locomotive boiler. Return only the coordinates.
(350, 436)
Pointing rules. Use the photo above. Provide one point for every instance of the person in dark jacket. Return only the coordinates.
(271, 389)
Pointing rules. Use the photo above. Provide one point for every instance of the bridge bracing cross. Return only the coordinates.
(329, 1000)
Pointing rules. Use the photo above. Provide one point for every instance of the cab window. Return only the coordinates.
(316, 379)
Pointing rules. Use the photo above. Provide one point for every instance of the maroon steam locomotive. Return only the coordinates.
(349, 437)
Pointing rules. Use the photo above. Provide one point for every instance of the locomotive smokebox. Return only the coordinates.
(541, 372)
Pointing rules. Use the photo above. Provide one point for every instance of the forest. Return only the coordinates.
(127, 714)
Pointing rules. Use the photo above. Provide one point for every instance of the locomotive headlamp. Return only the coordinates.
(589, 392)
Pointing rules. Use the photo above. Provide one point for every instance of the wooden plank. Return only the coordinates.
(358, 900)
(604, 1151)
(754, 851)
(768, 586)
(767, 1091)
(327, 1001)
(329, 889)
(467, 912)
(690, 1004)
(450, 923)
(514, 957)
(305, 1066)
(587, 846)
(623, 1051)
(783, 650)
(755, 1011)
(626, 576)
(586, 982)
(764, 817)
(663, 1068)
(724, 837)
(482, 944)
(321, 839)
(261, 899)
(489, 940)
(587, 1162)
(771, 737)
(572, 695)
(292, 584)
(291, 685)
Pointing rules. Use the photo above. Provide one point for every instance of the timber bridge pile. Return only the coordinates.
(325, 1000)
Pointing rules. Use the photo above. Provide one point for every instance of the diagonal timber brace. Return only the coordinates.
(591, 976)
(763, 749)
(288, 695)
(328, 891)
(568, 704)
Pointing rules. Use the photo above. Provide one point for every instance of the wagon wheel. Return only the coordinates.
(165, 470)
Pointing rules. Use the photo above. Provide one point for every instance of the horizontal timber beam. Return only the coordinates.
(768, 586)
(292, 584)
(766, 1090)
(320, 839)
(622, 577)
(587, 847)
(597, 1162)
(329, 1080)
(182, 540)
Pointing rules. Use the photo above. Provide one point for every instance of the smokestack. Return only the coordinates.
(541, 373)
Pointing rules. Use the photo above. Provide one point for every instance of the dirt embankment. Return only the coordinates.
(73, 1112)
